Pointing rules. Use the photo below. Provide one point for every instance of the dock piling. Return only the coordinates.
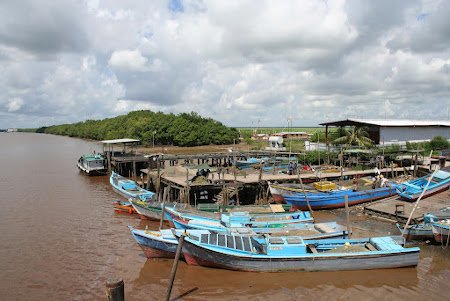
(115, 290)
(175, 266)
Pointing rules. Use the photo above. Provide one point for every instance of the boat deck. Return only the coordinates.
(398, 210)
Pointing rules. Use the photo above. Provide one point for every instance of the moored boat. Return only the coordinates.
(413, 189)
(336, 198)
(424, 230)
(123, 207)
(128, 188)
(163, 243)
(233, 219)
(149, 209)
(92, 164)
(293, 253)
(441, 231)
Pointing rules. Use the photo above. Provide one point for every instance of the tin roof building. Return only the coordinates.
(397, 131)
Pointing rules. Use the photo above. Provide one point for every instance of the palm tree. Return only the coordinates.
(355, 136)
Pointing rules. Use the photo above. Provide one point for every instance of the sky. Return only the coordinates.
(243, 63)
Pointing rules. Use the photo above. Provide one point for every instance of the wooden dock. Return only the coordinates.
(398, 210)
(254, 177)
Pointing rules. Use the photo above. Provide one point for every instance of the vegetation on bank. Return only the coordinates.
(185, 129)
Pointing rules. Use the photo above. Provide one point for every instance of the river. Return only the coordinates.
(61, 240)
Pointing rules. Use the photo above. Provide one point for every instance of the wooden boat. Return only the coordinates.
(336, 198)
(278, 190)
(237, 219)
(152, 210)
(157, 244)
(293, 253)
(128, 188)
(441, 231)
(92, 164)
(249, 163)
(424, 230)
(314, 231)
(412, 190)
(163, 243)
(124, 207)
(149, 209)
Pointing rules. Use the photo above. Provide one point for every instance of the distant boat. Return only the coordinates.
(412, 190)
(336, 198)
(293, 253)
(246, 164)
(163, 243)
(92, 164)
(128, 188)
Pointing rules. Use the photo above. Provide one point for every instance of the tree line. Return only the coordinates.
(185, 129)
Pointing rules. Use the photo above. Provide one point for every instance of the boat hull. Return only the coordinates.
(441, 233)
(333, 201)
(428, 193)
(195, 255)
(418, 232)
(91, 172)
(148, 213)
(156, 247)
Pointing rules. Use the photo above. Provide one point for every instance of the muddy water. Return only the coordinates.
(60, 240)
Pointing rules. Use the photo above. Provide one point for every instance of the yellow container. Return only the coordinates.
(324, 185)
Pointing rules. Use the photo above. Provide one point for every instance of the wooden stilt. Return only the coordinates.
(115, 290)
(175, 266)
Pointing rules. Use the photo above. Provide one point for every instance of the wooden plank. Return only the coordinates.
(370, 247)
(313, 249)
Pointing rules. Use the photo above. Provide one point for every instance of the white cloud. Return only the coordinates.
(235, 61)
(15, 104)
(131, 60)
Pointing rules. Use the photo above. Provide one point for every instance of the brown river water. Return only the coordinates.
(61, 240)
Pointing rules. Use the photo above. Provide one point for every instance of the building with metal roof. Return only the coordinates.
(397, 131)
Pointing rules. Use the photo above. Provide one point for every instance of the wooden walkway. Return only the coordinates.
(253, 178)
(387, 208)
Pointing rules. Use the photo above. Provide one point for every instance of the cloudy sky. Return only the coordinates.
(244, 63)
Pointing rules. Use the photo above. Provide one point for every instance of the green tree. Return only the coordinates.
(439, 142)
(355, 136)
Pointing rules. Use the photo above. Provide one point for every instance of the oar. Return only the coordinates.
(304, 192)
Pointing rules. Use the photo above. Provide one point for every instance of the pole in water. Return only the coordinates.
(115, 290)
(162, 216)
(347, 214)
(175, 266)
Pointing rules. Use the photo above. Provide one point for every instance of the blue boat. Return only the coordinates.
(128, 188)
(424, 230)
(441, 231)
(249, 163)
(336, 198)
(237, 219)
(158, 244)
(163, 243)
(313, 231)
(293, 253)
(413, 189)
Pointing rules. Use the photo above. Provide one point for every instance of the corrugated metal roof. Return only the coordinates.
(393, 122)
(115, 141)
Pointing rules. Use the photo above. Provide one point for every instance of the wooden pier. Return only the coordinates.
(398, 210)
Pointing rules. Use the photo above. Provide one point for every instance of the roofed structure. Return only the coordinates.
(399, 131)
